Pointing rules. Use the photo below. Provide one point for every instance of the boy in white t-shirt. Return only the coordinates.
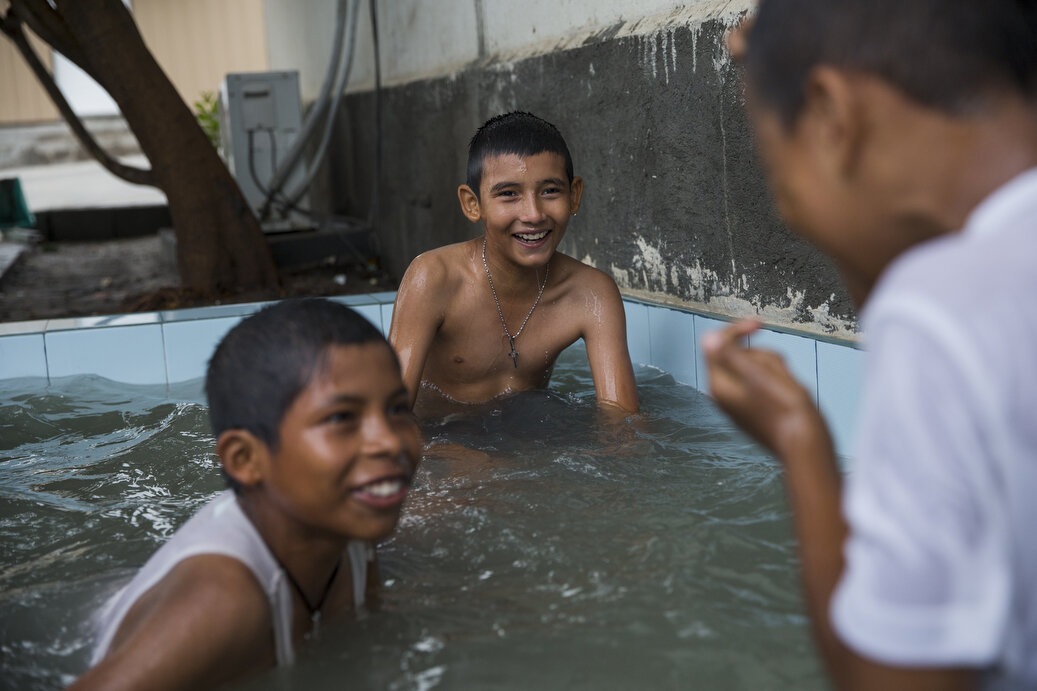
(901, 138)
(315, 434)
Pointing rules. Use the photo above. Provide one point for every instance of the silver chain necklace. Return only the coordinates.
(511, 339)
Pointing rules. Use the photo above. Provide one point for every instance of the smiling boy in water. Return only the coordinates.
(489, 316)
(315, 435)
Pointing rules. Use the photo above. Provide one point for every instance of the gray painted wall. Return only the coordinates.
(676, 209)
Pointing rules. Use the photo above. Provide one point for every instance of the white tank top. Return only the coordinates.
(221, 527)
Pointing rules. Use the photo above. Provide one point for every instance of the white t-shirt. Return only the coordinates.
(941, 563)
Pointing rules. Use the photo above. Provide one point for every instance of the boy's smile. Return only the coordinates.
(348, 447)
(525, 204)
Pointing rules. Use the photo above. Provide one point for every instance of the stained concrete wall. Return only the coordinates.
(675, 209)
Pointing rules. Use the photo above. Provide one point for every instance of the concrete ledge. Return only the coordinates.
(41, 143)
(10, 253)
(307, 248)
(58, 225)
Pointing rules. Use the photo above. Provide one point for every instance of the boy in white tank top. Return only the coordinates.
(316, 438)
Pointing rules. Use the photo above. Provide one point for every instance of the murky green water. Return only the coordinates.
(542, 547)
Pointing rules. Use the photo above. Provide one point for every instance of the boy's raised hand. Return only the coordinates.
(755, 388)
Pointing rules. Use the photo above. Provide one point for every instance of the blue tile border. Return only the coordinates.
(672, 344)
(23, 355)
(387, 296)
(180, 341)
(189, 345)
(131, 354)
(799, 353)
(352, 300)
(639, 339)
(241, 309)
(830, 368)
(703, 326)
(840, 376)
(177, 344)
(78, 323)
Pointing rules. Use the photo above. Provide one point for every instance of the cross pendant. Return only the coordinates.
(514, 353)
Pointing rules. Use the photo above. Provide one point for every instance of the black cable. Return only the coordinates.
(282, 203)
(252, 162)
(273, 151)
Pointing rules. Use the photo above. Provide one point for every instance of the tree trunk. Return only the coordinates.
(220, 246)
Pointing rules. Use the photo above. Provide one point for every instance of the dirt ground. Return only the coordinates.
(131, 275)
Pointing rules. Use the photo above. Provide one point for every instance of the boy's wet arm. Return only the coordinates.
(207, 622)
(417, 316)
(605, 336)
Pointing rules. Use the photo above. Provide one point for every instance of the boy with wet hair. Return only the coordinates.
(901, 138)
(314, 431)
(489, 316)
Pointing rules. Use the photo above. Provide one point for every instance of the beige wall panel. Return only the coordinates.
(22, 99)
(198, 41)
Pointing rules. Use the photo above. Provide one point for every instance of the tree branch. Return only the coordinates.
(46, 23)
(12, 26)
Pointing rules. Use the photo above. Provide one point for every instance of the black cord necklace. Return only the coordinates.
(312, 610)
(315, 609)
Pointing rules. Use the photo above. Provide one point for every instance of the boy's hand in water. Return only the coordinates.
(755, 388)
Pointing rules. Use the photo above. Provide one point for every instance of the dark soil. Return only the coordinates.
(134, 275)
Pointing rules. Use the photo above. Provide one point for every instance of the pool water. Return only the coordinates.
(543, 546)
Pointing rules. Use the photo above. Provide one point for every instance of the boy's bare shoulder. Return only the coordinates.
(584, 278)
(442, 266)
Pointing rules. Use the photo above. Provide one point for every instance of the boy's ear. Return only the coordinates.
(575, 195)
(833, 113)
(243, 455)
(469, 203)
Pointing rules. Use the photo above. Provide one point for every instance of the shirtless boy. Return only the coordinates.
(489, 316)
(314, 431)
(901, 138)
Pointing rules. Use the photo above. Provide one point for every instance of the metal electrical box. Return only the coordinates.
(260, 117)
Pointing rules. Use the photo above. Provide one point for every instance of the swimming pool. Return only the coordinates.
(559, 551)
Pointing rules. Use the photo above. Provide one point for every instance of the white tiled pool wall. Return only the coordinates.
(175, 346)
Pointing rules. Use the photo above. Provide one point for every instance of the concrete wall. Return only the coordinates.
(675, 209)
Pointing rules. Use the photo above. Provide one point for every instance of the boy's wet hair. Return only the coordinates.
(266, 360)
(519, 133)
(950, 55)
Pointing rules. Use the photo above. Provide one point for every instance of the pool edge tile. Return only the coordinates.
(840, 374)
(109, 321)
(189, 345)
(798, 352)
(672, 344)
(703, 326)
(129, 354)
(23, 355)
(639, 342)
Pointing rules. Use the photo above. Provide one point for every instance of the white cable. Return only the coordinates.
(336, 98)
(319, 108)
